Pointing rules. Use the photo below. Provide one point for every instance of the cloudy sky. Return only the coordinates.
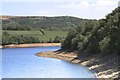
(90, 9)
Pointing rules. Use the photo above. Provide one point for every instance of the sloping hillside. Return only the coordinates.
(100, 38)
(40, 22)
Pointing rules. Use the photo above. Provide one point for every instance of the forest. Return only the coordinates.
(101, 36)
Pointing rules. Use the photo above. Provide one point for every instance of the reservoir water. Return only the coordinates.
(22, 63)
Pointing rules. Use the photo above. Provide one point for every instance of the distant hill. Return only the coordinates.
(40, 22)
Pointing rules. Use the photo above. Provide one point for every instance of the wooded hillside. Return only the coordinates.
(102, 36)
(40, 22)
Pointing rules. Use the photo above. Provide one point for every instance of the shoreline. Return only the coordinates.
(30, 45)
(1, 46)
(102, 66)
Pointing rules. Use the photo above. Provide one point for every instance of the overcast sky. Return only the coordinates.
(90, 9)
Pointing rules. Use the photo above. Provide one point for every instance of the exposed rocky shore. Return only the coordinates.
(30, 45)
(1, 46)
(104, 66)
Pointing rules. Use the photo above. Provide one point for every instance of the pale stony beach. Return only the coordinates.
(104, 66)
(31, 45)
(1, 46)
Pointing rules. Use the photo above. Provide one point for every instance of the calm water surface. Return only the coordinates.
(22, 63)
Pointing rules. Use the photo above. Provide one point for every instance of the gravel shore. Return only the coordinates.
(31, 45)
(104, 66)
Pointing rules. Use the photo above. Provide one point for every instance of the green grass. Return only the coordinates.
(45, 38)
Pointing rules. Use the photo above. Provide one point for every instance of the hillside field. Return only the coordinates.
(42, 37)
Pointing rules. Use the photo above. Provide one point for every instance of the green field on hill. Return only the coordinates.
(42, 37)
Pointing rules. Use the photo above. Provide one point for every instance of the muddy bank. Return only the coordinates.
(31, 45)
(104, 66)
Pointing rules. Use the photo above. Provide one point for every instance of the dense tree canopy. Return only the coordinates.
(100, 36)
